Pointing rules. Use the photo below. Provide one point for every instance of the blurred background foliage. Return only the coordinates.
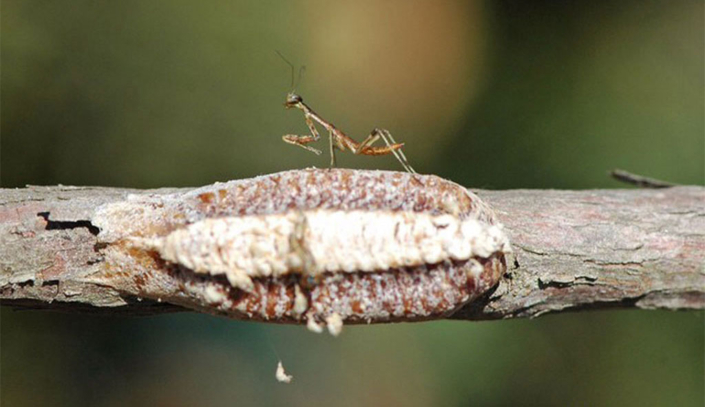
(491, 94)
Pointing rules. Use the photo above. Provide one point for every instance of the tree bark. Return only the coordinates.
(572, 250)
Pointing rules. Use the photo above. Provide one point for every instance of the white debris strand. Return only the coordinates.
(300, 301)
(317, 241)
(281, 375)
(312, 325)
(334, 323)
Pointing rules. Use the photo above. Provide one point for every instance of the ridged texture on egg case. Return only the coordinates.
(320, 241)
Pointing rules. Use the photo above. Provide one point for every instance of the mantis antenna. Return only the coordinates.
(301, 71)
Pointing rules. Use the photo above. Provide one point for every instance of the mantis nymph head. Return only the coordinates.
(292, 100)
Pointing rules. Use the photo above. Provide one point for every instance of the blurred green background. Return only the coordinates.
(493, 94)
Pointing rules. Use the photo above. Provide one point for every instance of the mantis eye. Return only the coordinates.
(292, 99)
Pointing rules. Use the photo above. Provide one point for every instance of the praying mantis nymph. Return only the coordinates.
(338, 139)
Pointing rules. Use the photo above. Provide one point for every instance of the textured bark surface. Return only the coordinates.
(579, 250)
(572, 250)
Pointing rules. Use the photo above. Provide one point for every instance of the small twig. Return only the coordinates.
(638, 180)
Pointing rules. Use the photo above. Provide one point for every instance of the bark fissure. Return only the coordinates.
(65, 225)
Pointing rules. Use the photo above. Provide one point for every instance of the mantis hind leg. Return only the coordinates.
(332, 149)
(392, 147)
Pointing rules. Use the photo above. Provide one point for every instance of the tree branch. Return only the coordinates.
(573, 250)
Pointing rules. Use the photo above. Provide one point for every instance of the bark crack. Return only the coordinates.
(67, 225)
